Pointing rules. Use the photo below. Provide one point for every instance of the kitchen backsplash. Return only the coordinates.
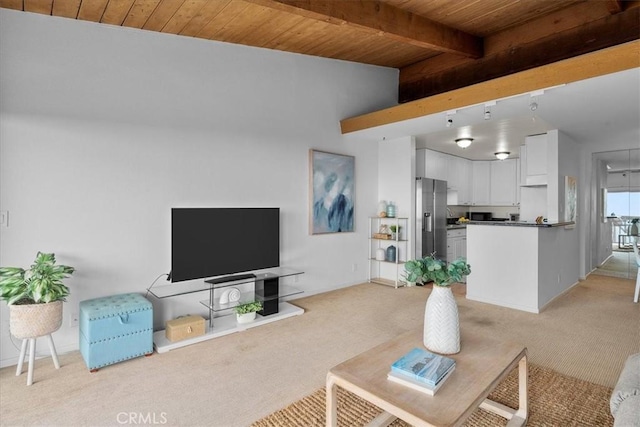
(497, 211)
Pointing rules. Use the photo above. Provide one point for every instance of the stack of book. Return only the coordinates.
(422, 370)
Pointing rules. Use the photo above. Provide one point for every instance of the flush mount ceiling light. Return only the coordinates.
(464, 142)
(501, 155)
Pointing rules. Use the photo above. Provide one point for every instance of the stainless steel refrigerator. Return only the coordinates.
(431, 218)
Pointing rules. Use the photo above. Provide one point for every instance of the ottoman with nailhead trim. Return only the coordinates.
(114, 329)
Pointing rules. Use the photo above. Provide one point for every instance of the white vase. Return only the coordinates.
(441, 324)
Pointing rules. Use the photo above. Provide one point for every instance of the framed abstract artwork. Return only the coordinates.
(570, 200)
(331, 192)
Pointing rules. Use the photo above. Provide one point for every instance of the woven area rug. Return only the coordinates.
(554, 400)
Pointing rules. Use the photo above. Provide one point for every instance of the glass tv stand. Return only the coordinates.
(268, 288)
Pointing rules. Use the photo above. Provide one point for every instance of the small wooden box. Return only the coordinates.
(184, 327)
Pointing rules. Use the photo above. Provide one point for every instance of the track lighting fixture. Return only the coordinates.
(501, 155)
(533, 105)
(449, 121)
(487, 113)
(464, 142)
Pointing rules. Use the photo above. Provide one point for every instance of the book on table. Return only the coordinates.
(414, 384)
(422, 367)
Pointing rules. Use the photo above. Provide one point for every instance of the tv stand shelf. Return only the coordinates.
(266, 288)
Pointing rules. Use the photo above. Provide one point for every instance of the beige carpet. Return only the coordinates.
(554, 400)
(240, 378)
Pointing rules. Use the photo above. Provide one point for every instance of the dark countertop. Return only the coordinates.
(456, 226)
(522, 223)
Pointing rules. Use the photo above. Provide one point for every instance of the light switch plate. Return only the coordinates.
(4, 218)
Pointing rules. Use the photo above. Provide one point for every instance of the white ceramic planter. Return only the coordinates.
(246, 318)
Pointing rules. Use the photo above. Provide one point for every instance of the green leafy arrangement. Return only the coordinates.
(249, 307)
(431, 269)
(42, 283)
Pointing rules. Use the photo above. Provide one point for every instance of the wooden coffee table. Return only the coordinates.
(480, 366)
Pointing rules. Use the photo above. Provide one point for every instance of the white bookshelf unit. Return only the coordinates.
(387, 271)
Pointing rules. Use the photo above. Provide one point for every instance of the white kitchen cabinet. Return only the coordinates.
(481, 185)
(435, 165)
(459, 180)
(534, 160)
(420, 163)
(456, 244)
(503, 183)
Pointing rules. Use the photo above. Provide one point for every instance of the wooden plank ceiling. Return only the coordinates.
(438, 45)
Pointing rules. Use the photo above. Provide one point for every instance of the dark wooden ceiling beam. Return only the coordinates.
(378, 18)
(423, 79)
(614, 6)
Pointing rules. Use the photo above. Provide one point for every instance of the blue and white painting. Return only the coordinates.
(332, 192)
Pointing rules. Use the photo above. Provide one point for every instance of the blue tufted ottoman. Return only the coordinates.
(115, 328)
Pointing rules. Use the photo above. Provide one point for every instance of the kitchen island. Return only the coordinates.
(521, 265)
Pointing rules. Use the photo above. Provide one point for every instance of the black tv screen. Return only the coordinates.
(208, 242)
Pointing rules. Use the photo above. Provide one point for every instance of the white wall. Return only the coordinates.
(104, 129)
(396, 183)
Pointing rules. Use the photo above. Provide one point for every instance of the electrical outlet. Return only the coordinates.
(354, 267)
(73, 320)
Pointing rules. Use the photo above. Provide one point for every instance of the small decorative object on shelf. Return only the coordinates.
(395, 232)
(422, 370)
(391, 253)
(382, 209)
(383, 232)
(230, 295)
(441, 323)
(391, 210)
(247, 312)
(380, 254)
(184, 327)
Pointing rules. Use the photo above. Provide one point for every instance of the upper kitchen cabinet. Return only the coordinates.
(455, 170)
(481, 182)
(504, 183)
(458, 181)
(435, 165)
(533, 161)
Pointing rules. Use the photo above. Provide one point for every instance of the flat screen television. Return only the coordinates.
(208, 242)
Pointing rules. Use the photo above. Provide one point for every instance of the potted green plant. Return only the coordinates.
(432, 269)
(441, 322)
(35, 296)
(395, 229)
(246, 312)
